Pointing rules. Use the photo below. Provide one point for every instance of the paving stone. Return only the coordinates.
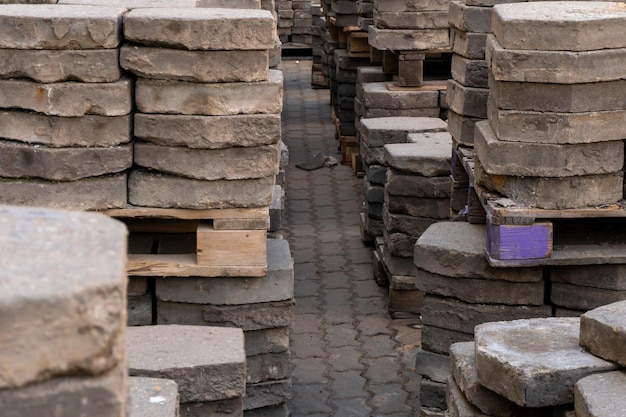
(222, 408)
(468, 101)
(204, 132)
(541, 26)
(74, 293)
(18, 160)
(434, 366)
(470, 45)
(153, 397)
(266, 394)
(60, 27)
(197, 66)
(456, 249)
(378, 96)
(378, 132)
(87, 131)
(71, 99)
(51, 66)
(201, 28)
(469, 18)
(427, 154)
(411, 20)
(149, 189)
(267, 367)
(212, 99)
(438, 340)
(411, 5)
(212, 368)
(534, 362)
(600, 395)
(603, 330)
(470, 72)
(408, 39)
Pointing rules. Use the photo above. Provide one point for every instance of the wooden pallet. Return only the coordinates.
(348, 146)
(201, 243)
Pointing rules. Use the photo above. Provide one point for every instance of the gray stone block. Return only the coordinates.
(400, 184)
(470, 72)
(608, 277)
(377, 174)
(267, 367)
(409, 225)
(79, 263)
(397, 265)
(468, 101)
(583, 298)
(212, 365)
(370, 113)
(467, 18)
(153, 397)
(408, 39)
(201, 28)
(461, 128)
(411, 5)
(377, 132)
(438, 340)
(432, 394)
(433, 366)
(600, 395)
(273, 340)
(378, 96)
(398, 243)
(535, 362)
(281, 410)
(139, 310)
(373, 193)
(426, 154)
(370, 75)
(470, 45)
(603, 332)
(458, 405)
(433, 208)
(267, 394)
(411, 20)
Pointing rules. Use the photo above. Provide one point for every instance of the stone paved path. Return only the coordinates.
(348, 357)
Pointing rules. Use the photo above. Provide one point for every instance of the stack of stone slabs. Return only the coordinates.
(294, 21)
(344, 92)
(553, 106)
(462, 291)
(318, 29)
(65, 107)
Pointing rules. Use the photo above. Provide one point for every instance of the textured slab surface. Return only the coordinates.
(153, 397)
(407, 39)
(378, 132)
(603, 332)
(377, 97)
(601, 395)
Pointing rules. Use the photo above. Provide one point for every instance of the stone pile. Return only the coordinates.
(65, 107)
(345, 12)
(554, 95)
(294, 21)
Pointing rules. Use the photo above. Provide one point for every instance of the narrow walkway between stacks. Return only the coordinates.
(349, 358)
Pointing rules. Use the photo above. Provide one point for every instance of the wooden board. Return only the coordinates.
(184, 265)
(231, 247)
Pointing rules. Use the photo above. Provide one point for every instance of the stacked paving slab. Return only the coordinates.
(318, 30)
(294, 21)
(343, 92)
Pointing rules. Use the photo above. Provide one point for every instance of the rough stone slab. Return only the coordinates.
(376, 174)
(373, 193)
(377, 96)
(462, 128)
(96, 193)
(411, 5)
(68, 99)
(482, 291)
(201, 28)
(139, 309)
(427, 154)
(534, 362)
(213, 132)
(559, 98)
(212, 365)
(456, 249)
(197, 66)
(79, 263)
(232, 407)
(281, 410)
(181, 97)
(276, 286)
(370, 75)
(468, 101)
(407, 39)
(438, 340)
(553, 127)
(370, 113)
(55, 131)
(432, 394)
(60, 27)
(499, 157)
(489, 3)
(411, 20)
(18, 160)
(267, 394)
(409, 225)
(133, 4)
(434, 366)
(398, 243)
(377, 132)
(608, 277)
(470, 18)
(209, 164)
(400, 184)
(470, 45)
(153, 397)
(397, 265)
(603, 332)
(434, 208)
(601, 395)
(273, 340)
(458, 405)
(267, 367)
(470, 72)
(98, 396)
(50, 66)
(543, 26)
(148, 189)
(465, 379)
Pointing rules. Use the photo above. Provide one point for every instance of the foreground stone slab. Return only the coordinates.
(535, 362)
(72, 292)
(181, 97)
(201, 28)
(60, 27)
(541, 26)
(603, 332)
(427, 154)
(208, 364)
(149, 189)
(378, 132)
(153, 397)
(55, 131)
(198, 66)
(407, 39)
(601, 395)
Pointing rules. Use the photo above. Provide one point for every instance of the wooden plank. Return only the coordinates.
(184, 265)
(231, 247)
(189, 214)
(518, 242)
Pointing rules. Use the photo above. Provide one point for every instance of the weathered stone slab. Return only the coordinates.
(60, 27)
(197, 66)
(434, 366)
(281, 410)
(400, 184)
(377, 132)
(377, 96)
(209, 164)
(267, 367)
(432, 394)
(456, 249)
(79, 263)
(410, 225)
(370, 75)
(272, 340)
(470, 72)
(438, 340)
(54, 131)
(148, 189)
(152, 397)
(601, 395)
(238, 4)
(458, 405)
(470, 18)
(139, 309)
(50, 66)
(212, 132)
(213, 365)
(468, 101)
(534, 362)
(434, 208)
(462, 128)
(132, 4)
(553, 127)
(68, 99)
(266, 394)
(608, 277)
(370, 113)
(376, 174)
(398, 243)
(96, 193)
(482, 291)
(411, 5)
(18, 160)
(345, 62)
(232, 407)
(218, 99)
(499, 157)
(427, 154)
(489, 3)
(603, 332)
(408, 39)
(397, 265)
(470, 45)
(542, 26)
(373, 193)
(411, 20)
(201, 28)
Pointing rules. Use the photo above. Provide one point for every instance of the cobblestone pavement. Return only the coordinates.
(348, 357)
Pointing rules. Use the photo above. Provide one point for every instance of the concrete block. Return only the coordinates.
(534, 362)
(153, 397)
(470, 72)
(411, 20)
(468, 101)
(408, 39)
(411, 5)
(469, 18)
(427, 154)
(377, 132)
(400, 184)
(600, 395)
(603, 331)
(79, 263)
(378, 96)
